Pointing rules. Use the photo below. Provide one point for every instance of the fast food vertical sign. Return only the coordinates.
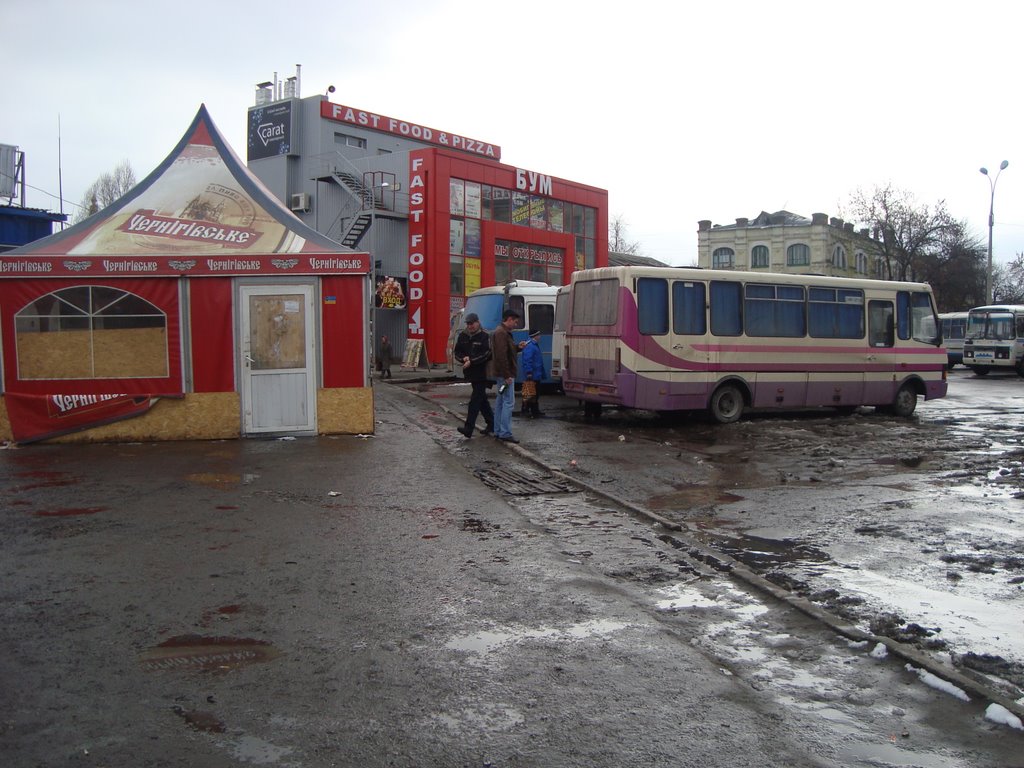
(416, 301)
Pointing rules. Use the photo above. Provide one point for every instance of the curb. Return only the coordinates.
(969, 680)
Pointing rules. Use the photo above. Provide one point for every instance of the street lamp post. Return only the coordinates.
(991, 221)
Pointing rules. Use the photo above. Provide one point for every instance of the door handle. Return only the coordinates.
(249, 359)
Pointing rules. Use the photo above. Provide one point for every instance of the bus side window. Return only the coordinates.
(689, 308)
(726, 308)
(880, 324)
(903, 314)
(652, 306)
(541, 318)
(518, 303)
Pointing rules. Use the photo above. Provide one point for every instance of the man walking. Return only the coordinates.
(504, 350)
(472, 350)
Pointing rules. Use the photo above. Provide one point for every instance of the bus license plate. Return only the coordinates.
(592, 390)
(983, 355)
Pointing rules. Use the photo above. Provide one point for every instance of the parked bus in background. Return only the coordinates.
(995, 339)
(558, 333)
(954, 326)
(682, 339)
(535, 303)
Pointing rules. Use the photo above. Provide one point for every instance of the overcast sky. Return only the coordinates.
(681, 111)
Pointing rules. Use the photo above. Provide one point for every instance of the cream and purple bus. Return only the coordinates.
(686, 339)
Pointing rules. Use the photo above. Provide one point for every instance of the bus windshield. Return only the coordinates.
(995, 326)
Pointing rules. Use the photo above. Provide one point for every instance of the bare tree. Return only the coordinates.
(618, 241)
(1008, 282)
(105, 190)
(956, 270)
(910, 235)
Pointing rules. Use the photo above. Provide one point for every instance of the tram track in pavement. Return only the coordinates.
(706, 561)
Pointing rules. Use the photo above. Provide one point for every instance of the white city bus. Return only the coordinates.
(994, 339)
(683, 339)
(558, 334)
(954, 327)
(535, 303)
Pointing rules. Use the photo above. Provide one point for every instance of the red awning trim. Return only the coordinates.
(178, 266)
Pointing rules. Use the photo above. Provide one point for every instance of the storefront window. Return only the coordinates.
(456, 197)
(501, 205)
(524, 261)
(473, 200)
(518, 260)
(521, 209)
(538, 213)
(457, 237)
(473, 237)
(485, 207)
(555, 212)
(91, 332)
(576, 220)
(457, 276)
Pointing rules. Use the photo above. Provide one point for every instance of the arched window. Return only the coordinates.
(798, 255)
(759, 256)
(91, 332)
(723, 258)
(839, 257)
(861, 261)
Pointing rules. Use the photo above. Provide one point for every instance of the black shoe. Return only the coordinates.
(509, 439)
(538, 415)
(468, 433)
(489, 429)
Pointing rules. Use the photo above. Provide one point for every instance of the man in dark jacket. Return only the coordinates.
(473, 350)
(504, 349)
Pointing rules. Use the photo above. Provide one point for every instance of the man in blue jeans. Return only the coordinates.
(504, 350)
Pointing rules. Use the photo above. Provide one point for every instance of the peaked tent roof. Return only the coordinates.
(200, 201)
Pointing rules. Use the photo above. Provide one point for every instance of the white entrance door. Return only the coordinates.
(278, 359)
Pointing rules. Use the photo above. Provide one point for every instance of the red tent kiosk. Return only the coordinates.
(196, 304)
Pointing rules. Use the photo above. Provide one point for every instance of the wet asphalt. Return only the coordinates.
(345, 601)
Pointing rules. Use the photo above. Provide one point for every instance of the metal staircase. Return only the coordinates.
(372, 199)
(356, 229)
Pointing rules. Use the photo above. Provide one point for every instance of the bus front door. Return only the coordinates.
(879, 380)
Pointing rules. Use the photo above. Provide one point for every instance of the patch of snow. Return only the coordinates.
(938, 683)
(1000, 714)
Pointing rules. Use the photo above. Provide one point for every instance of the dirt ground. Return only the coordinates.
(374, 601)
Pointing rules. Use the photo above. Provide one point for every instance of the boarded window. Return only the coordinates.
(91, 332)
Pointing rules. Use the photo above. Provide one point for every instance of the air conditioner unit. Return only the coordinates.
(300, 202)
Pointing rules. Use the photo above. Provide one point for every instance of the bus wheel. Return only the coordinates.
(905, 402)
(727, 404)
(980, 370)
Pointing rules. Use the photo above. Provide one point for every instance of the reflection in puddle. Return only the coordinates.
(254, 750)
(890, 754)
(761, 553)
(486, 642)
(482, 717)
(205, 654)
(69, 511)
